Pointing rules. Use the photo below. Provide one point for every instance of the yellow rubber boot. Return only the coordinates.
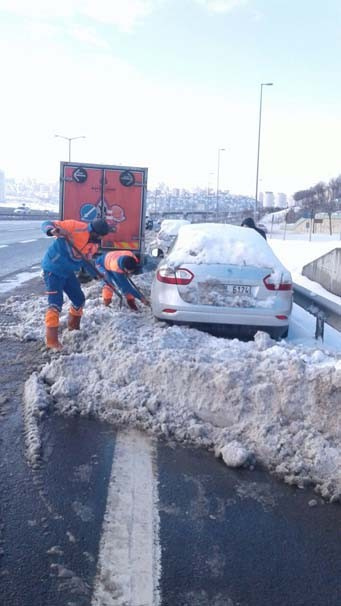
(51, 325)
(107, 293)
(74, 319)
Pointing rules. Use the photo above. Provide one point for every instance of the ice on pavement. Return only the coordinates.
(276, 404)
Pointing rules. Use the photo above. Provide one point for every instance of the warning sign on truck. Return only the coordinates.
(115, 193)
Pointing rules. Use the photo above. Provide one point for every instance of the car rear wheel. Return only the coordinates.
(279, 333)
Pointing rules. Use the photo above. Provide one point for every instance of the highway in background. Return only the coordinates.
(22, 245)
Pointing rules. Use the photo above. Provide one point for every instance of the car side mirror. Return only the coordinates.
(157, 252)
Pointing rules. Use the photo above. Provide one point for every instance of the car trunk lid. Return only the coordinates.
(229, 286)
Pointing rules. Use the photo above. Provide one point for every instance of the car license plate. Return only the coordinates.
(238, 289)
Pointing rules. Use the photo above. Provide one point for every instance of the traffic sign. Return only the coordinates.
(80, 175)
(88, 212)
(127, 178)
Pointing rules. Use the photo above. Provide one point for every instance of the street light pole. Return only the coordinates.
(69, 139)
(218, 171)
(259, 131)
(208, 189)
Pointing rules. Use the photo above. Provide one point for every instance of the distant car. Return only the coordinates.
(22, 210)
(223, 276)
(149, 223)
(263, 227)
(156, 224)
(169, 229)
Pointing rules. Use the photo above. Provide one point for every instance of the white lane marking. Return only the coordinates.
(3, 245)
(26, 241)
(7, 284)
(129, 556)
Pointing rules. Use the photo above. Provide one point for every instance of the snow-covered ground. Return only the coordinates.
(278, 404)
(294, 254)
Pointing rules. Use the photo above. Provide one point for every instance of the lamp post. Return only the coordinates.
(208, 189)
(259, 131)
(69, 139)
(218, 170)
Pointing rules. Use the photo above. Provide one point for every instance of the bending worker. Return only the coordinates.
(249, 222)
(116, 267)
(60, 263)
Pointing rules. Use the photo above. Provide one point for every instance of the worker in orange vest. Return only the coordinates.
(116, 267)
(60, 263)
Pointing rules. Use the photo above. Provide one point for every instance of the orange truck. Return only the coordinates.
(115, 193)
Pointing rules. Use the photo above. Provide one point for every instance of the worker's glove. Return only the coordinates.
(91, 250)
(131, 302)
(54, 231)
(58, 232)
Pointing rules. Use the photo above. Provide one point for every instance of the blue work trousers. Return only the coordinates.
(55, 286)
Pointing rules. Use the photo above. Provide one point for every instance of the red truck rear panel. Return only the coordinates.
(115, 193)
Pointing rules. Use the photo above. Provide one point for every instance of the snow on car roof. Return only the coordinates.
(170, 227)
(216, 243)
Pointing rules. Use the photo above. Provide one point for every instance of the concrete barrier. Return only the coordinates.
(326, 270)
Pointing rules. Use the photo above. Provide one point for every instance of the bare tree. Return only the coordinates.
(301, 195)
(321, 197)
(333, 193)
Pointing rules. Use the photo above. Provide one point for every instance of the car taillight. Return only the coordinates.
(180, 277)
(270, 285)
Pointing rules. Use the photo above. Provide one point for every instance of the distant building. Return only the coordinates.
(269, 200)
(2, 186)
(281, 201)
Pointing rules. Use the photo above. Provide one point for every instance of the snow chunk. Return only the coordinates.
(36, 402)
(234, 454)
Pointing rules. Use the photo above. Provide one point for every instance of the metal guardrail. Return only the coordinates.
(37, 215)
(323, 309)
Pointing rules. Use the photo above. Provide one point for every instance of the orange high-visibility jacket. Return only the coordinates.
(111, 260)
(61, 258)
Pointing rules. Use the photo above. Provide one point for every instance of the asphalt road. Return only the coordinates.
(22, 245)
(226, 537)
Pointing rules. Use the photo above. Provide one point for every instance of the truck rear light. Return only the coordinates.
(169, 311)
(271, 285)
(181, 276)
(282, 317)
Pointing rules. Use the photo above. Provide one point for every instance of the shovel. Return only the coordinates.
(94, 268)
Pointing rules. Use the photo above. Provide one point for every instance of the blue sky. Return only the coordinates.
(166, 83)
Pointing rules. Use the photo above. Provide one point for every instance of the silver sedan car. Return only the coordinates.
(223, 276)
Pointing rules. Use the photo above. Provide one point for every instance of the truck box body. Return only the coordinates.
(115, 193)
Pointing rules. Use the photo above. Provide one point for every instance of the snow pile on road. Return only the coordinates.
(170, 227)
(36, 402)
(260, 401)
